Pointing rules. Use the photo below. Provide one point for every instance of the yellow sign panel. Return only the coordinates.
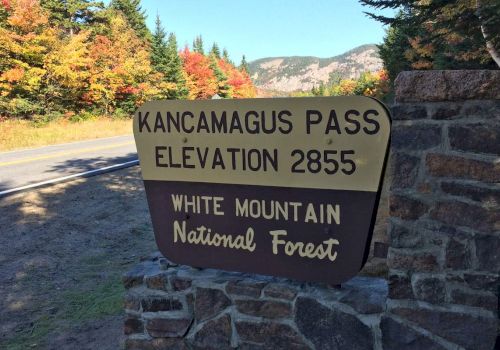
(336, 143)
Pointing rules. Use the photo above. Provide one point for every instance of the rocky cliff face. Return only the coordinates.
(303, 73)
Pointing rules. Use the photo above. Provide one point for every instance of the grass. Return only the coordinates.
(15, 134)
(87, 300)
(103, 300)
(31, 339)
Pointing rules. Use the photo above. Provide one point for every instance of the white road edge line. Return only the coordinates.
(73, 176)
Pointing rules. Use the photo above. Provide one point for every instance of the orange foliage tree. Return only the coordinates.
(239, 80)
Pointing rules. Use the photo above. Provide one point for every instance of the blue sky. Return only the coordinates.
(262, 28)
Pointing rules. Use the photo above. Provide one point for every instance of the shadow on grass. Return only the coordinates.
(63, 250)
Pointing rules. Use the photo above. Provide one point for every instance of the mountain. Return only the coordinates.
(297, 73)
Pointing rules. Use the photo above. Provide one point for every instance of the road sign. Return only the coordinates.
(286, 187)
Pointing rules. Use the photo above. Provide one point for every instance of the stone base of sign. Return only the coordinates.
(179, 307)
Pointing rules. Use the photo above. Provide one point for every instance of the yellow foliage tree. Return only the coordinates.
(120, 67)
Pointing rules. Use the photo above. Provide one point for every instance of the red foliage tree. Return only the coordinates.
(200, 78)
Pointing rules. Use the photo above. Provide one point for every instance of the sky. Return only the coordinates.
(268, 28)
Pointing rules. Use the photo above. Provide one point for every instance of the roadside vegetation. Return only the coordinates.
(19, 133)
(79, 60)
(368, 84)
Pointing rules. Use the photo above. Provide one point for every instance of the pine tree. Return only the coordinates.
(394, 48)
(321, 89)
(135, 15)
(159, 58)
(4, 11)
(224, 89)
(244, 65)
(72, 15)
(452, 34)
(215, 51)
(174, 71)
(198, 45)
(225, 55)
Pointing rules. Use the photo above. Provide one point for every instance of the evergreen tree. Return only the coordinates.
(72, 15)
(224, 89)
(244, 65)
(452, 33)
(4, 14)
(225, 55)
(393, 50)
(174, 71)
(159, 58)
(321, 89)
(198, 45)
(215, 51)
(135, 15)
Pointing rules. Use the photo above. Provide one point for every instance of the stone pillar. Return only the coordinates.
(444, 225)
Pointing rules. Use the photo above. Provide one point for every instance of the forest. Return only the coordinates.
(77, 59)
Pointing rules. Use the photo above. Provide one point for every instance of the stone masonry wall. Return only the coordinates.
(444, 227)
(179, 307)
(444, 250)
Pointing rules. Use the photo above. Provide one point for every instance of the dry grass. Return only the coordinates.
(16, 134)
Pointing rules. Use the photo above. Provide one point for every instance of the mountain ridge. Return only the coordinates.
(301, 73)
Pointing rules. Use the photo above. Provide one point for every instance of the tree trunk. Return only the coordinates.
(489, 44)
(490, 47)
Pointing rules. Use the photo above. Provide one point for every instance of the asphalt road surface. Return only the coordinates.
(25, 169)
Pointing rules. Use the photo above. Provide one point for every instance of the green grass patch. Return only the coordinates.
(31, 338)
(103, 300)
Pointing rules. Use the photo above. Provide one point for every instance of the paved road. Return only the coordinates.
(33, 166)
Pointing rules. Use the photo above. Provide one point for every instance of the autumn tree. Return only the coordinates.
(25, 39)
(239, 80)
(120, 69)
(200, 78)
(67, 75)
(78, 58)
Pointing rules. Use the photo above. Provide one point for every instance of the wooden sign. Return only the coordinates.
(286, 186)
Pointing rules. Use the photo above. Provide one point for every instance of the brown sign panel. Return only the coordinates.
(286, 187)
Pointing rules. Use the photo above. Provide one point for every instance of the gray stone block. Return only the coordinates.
(398, 336)
(330, 328)
(209, 302)
(264, 308)
(470, 331)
